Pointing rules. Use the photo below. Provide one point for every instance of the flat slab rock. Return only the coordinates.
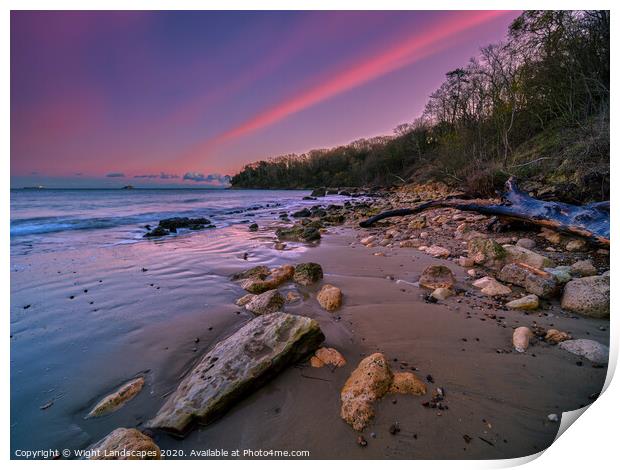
(116, 400)
(237, 365)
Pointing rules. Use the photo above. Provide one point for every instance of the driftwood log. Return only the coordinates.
(590, 221)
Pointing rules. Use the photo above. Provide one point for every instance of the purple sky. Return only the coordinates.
(177, 98)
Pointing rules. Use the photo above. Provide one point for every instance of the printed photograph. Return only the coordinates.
(306, 234)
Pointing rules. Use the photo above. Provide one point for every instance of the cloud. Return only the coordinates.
(146, 176)
(167, 176)
(212, 178)
(115, 175)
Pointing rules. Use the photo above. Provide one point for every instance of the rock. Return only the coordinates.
(584, 268)
(466, 262)
(329, 297)
(240, 302)
(544, 287)
(436, 276)
(518, 254)
(157, 232)
(491, 287)
(529, 302)
(442, 293)
(576, 245)
(486, 252)
(327, 356)
(116, 400)
(553, 418)
(561, 274)
(410, 243)
(279, 246)
(438, 251)
(237, 365)
(554, 336)
(292, 297)
(125, 444)
(298, 233)
(407, 383)
(368, 240)
(267, 302)
(526, 243)
(318, 192)
(521, 338)
(550, 235)
(370, 381)
(253, 227)
(417, 223)
(472, 272)
(307, 273)
(587, 296)
(591, 350)
(513, 274)
(276, 277)
(302, 213)
(174, 223)
(259, 272)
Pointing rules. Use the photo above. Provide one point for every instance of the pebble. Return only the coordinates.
(553, 418)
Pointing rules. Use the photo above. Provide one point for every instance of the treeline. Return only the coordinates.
(535, 106)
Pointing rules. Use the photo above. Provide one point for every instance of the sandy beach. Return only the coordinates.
(155, 308)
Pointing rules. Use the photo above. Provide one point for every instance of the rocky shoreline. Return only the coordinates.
(537, 275)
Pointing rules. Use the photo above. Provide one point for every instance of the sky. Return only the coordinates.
(182, 98)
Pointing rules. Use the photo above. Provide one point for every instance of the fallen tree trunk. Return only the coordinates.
(590, 221)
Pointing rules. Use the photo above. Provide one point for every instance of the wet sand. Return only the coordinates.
(72, 352)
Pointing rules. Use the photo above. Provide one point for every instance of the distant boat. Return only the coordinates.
(34, 187)
(128, 187)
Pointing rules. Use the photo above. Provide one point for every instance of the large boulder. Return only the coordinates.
(299, 233)
(330, 297)
(125, 444)
(368, 383)
(318, 192)
(237, 365)
(518, 254)
(267, 302)
(591, 350)
(436, 276)
(117, 399)
(587, 296)
(486, 252)
(174, 223)
(308, 273)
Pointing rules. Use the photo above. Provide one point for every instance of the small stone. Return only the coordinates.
(529, 302)
(466, 262)
(407, 383)
(330, 297)
(361, 441)
(116, 400)
(438, 251)
(436, 276)
(368, 240)
(554, 336)
(583, 268)
(521, 338)
(327, 356)
(240, 302)
(442, 293)
(394, 428)
(267, 302)
(125, 444)
(576, 245)
(526, 243)
(308, 273)
(253, 227)
(553, 418)
(589, 296)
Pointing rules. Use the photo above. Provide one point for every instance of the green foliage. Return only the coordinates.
(535, 105)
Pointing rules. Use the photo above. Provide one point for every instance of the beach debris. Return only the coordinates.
(327, 356)
(584, 268)
(308, 273)
(594, 351)
(436, 276)
(329, 297)
(529, 302)
(125, 444)
(237, 365)
(554, 336)
(587, 296)
(117, 399)
(521, 338)
(267, 302)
